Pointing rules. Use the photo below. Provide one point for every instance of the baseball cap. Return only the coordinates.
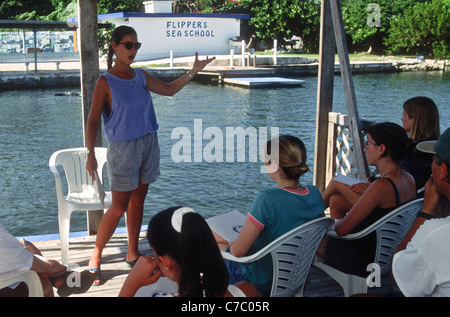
(441, 147)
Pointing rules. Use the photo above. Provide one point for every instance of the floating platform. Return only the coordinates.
(263, 82)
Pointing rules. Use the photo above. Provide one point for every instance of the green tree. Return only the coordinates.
(111, 6)
(422, 29)
(278, 19)
(285, 18)
(183, 6)
(357, 14)
(63, 10)
(27, 9)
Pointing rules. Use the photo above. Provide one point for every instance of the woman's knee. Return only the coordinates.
(339, 206)
(137, 199)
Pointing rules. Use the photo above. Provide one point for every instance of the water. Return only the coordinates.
(35, 123)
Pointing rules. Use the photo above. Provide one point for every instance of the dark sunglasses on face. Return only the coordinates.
(129, 45)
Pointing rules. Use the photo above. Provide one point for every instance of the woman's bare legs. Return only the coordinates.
(134, 220)
(339, 206)
(108, 225)
(339, 198)
(133, 203)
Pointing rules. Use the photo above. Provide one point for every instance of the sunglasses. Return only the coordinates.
(368, 142)
(129, 45)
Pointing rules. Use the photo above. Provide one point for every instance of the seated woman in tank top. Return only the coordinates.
(385, 149)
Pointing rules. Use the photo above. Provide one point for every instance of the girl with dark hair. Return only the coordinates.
(274, 211)
(122, 96)
(385, 149)
(185, 252)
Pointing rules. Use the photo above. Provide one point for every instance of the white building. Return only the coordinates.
(161, 31)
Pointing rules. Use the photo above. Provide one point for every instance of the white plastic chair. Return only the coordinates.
(30, 278)
(82, 193)
(390, 231)
(292, 255)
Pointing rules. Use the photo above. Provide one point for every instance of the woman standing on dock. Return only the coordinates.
(123, 96)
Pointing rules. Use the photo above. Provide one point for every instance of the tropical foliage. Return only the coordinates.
(400, 26)
(422, 29)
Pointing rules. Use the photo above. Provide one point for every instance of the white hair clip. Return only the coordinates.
(177, 217)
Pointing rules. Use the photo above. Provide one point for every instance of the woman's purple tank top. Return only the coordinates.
(132, 113)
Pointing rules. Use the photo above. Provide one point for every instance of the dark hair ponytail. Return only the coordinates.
(194, 249)
(110, 56)
(203, 270)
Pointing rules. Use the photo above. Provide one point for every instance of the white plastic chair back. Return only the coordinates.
(292, 256)
(30, 278)
(390, 231)
(82, 191)
(73, 161)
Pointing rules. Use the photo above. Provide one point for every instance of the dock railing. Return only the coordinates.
(340, 158)
(40, 58)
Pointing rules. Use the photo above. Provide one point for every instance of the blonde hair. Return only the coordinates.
(425, 115)
(291, 155)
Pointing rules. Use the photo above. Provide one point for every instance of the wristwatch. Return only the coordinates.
(90, 151)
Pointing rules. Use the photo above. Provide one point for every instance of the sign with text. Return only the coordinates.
(181, 34)
(188, 29)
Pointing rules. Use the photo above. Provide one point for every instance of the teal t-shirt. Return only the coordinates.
(276, 211)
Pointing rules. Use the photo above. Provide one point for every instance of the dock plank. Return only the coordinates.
(115, 269)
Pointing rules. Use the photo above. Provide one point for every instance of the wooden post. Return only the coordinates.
(349, 89)
(325, 94)
(243, 53)
(35, 49)
(87, 22)
(275, 49)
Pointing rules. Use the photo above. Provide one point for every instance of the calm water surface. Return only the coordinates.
(35, 123)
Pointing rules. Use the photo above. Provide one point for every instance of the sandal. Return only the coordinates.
(97, 273)
(132, 263)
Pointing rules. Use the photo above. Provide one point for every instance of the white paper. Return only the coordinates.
(164, 287)
(347, 180)
(227, 225)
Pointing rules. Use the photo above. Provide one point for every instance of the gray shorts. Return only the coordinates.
(133, 162)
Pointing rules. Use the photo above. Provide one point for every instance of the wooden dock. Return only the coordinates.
(115, 269)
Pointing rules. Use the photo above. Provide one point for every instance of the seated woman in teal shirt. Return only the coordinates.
(274, 211)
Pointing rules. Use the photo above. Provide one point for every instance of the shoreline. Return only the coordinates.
(14, 76)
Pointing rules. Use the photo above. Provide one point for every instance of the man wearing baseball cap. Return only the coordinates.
(420, 266)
